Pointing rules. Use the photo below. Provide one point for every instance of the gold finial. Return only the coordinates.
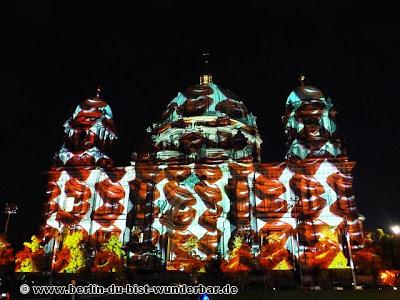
(302, 77)
(206, 77)
(98, 91)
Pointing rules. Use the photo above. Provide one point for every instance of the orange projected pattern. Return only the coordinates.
(273, 254)
(239, 189)
(144, 194)
(80, 192)
(196, 191)
(343, 187)
(308, 191)
(193, 197)
(198, 101)
(210, 193)
(98, 209)
(290, 211)
(179, 216)
(274, 230)
(268, 190)
(88, 135)
(82, 196)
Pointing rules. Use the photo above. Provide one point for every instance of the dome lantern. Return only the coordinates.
(205, 78)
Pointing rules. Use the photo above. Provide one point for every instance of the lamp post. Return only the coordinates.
(347, 236)
(396, 232)
(11, 209)
(162, 203)
(395, 229)
(298, 252)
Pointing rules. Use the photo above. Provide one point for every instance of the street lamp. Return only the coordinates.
(395, 229)
(11, 209)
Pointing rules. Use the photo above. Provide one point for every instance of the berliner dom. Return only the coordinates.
(197, 192)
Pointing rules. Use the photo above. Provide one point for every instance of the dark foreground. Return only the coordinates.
(279, 286)
(270, 295)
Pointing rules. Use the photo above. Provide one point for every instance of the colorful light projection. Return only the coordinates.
(318, 181)
(84, 192)
(178, 204)
(31, 258)
(198, 192)
(205, 123)
(111, 257)
(88, 134)
(6, 255)
(71, 258)
(310, 126)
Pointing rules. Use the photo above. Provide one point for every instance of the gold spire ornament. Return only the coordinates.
(302, 77)
(98, 92)
(206, 77)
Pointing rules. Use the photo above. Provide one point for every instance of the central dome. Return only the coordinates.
(207, 100)
(205, 123)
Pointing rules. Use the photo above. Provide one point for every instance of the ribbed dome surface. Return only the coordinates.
(205, 123)
(207, 100)
(310, 126)
(305, 92)
(88, 134)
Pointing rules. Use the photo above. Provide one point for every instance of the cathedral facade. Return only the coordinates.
(198, 187)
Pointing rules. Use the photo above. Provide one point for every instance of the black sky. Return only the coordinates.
(57, 53)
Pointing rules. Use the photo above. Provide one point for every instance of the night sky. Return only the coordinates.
(56, 55)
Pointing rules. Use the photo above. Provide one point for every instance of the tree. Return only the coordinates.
(71, 258)
(240, 258)
(6, 255)
(31, 258)
(381, 252)
(111, 257)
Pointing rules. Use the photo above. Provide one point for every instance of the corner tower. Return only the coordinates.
(85, 191)
(88, 134)
(310, 125)
(319, 183)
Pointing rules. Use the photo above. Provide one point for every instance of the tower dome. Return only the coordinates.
(88, 134)
(310, 126)
(205, 123)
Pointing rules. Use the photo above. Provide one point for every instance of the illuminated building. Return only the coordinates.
(198, 184)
